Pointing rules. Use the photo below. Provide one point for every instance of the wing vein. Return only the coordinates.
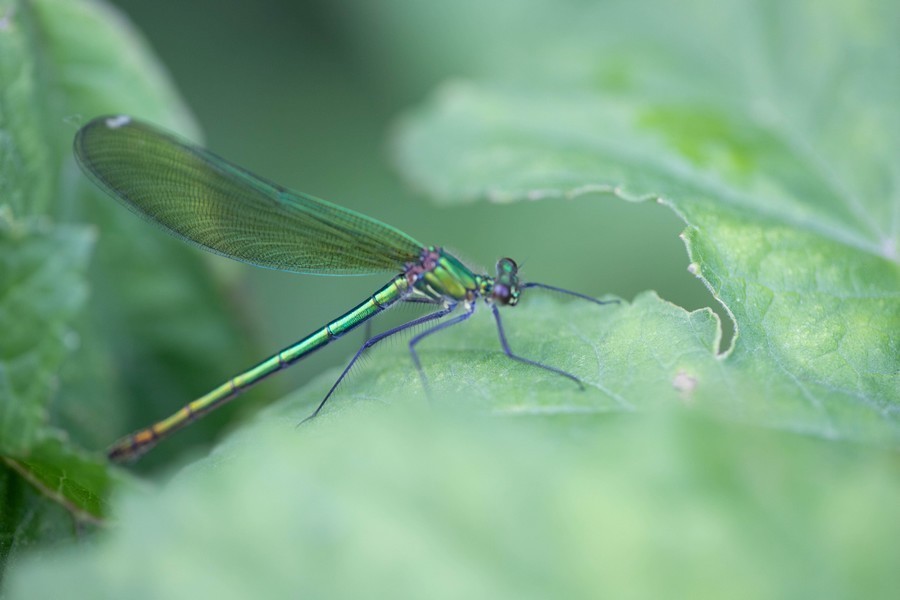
(210, 202)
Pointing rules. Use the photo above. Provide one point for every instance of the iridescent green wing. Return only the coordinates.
(204, 199)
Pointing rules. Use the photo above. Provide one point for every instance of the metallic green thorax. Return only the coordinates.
(441, 276)
(445, 279)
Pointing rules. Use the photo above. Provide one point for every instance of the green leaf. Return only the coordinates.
(46, 483)
(791, 201)
(511, 481)
(98, 63)
(61, 355)
(382, 501)
(138, 356)
(549, 497)
(44, 288)
(76, 481)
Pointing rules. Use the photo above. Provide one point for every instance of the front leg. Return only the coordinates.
(527, 361)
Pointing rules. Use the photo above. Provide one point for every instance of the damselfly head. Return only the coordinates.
(506, 284)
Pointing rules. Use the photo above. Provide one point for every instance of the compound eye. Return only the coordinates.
(507, 266)
(506, 284)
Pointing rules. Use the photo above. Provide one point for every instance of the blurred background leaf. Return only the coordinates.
(665, 505)
(79, 338)
(306, 93)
